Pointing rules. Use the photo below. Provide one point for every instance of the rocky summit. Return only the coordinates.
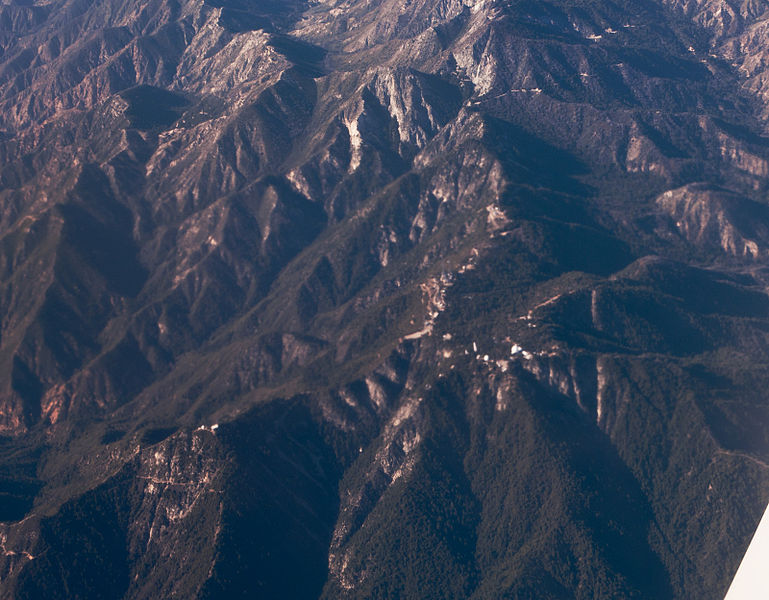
(457, 299)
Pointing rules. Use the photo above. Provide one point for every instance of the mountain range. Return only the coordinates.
(382, 298)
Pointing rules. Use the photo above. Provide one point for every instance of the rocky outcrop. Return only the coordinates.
(713, 218)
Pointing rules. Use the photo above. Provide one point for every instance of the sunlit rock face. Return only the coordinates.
(382, 299)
